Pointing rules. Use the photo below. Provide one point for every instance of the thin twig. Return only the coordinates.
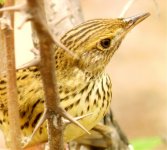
(13, 109)
(46, 41)
(157, 8)
(126, 8)
(2, 49)
(131, 2)
(28, 17)
(55, 133)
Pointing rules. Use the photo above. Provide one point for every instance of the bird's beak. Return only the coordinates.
(133, 21)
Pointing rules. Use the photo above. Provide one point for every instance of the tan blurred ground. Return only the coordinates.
(138, 69)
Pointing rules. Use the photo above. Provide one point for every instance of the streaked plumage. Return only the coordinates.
(83, 85)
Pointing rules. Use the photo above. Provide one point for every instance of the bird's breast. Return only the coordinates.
(92, 98)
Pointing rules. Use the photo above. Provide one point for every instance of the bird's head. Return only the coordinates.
(95, 41)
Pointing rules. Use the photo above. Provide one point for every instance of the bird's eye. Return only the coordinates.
(105, 43)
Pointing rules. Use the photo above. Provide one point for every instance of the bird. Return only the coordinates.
(83, 85)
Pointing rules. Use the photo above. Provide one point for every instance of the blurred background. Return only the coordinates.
(138, 69)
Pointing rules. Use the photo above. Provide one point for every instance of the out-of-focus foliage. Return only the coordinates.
(2, 1)
(146, 143)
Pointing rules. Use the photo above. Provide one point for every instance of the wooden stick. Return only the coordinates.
(47, 69)
(13, 109)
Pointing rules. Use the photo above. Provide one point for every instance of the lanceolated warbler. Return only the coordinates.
(83, 85)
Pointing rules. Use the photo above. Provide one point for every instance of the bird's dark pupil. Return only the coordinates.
(105, 43)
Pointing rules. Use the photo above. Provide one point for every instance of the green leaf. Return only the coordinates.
(2, 1)
(146, 143)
